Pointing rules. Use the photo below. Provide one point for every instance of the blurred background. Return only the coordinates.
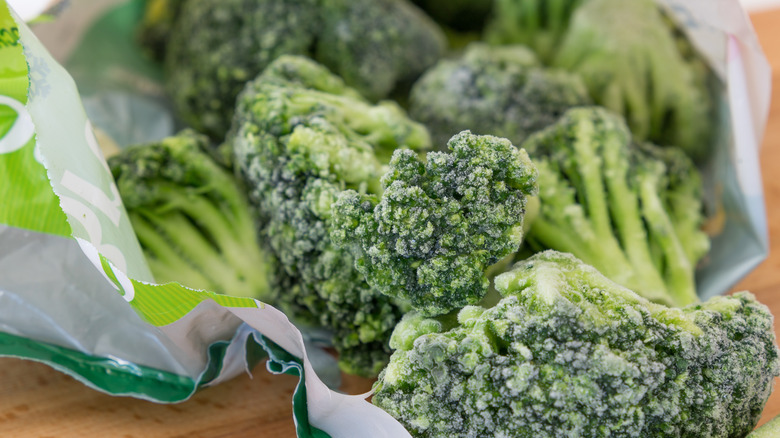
(31, 8)
(760, 5)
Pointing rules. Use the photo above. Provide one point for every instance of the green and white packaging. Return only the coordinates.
(76, 293)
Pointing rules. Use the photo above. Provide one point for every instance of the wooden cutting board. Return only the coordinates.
(36, 401)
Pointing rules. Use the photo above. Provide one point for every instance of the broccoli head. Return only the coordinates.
(502, 91)
(297, 143)
(218, 46)
(439, 225)
(636, 63)
(633, 212)
(538, 24)
(567, 352)
(192, 218)
(376, 45)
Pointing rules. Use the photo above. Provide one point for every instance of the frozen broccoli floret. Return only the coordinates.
(567, 352)
(680, 188)
(539, 24)
(297, 148)
(192, 218)
(459, 15)
(377, 44)
(301, 72)
(501, 91)
(218, 46)
(633, 212)
(439, 224)
(155, 26)
(635, 63)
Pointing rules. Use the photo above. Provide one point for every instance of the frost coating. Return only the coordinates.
(631, 211)
(192, 218)
(567, 352)
(300, 137)
(439, 224)
(217, 46)
(501, 91)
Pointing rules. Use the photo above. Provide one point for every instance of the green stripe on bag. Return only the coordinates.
(105, 374)
(282, 362)
(164, 304)
(28, 199)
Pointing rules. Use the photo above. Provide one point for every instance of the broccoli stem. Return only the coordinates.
(558, 13)
(179, 231)
(166, 264)
(563, 224)
(225, 259)
(624, 207)
(687, 223)
(590, 167)
(230, 234)
(561, 234)
(530, 11)
(681, 286)
(373, 123)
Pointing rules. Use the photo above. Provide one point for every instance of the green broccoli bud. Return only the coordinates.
(538, 24)
(631, 60)
(191, 217)
(298, 145)
(375, 45)
(612, 204)
(216, 47)
(301, 72)
(501, 91)
(567, 352)
(438, 225)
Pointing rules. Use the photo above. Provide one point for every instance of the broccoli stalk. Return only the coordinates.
(636, 63)
(632, 57)
(611, 204)
(377, 45)
(567, 352)
(538, 24)
(682, 190)
(438, 225)
(216, 47)
(191, 218)
(297, 144)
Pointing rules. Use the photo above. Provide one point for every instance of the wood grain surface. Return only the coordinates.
(37, 401)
